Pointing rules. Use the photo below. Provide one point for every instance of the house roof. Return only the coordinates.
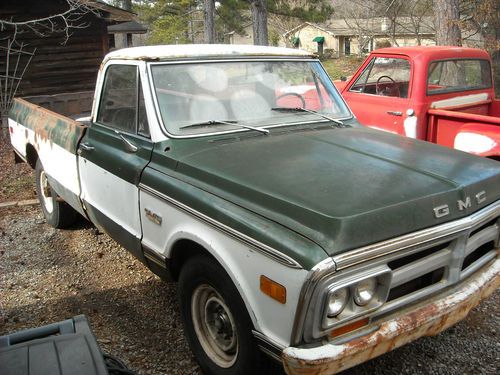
(186, 51)
(379, 26)
(369, 26)
(302, 25)
(112, 13)
(131, 27)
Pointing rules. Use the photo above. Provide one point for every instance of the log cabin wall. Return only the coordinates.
(56, 67)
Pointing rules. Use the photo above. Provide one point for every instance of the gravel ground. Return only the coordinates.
(48, 275)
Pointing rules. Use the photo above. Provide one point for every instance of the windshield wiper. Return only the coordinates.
(228, 122)
(339, 123)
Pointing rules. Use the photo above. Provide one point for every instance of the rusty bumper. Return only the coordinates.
(426, 319)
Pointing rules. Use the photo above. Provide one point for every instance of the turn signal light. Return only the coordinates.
(273, 289)
(349, 327)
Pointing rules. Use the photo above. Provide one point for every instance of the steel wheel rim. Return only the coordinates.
(44, 189)
(214, 326)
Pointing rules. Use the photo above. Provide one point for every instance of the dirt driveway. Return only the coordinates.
(48, 275)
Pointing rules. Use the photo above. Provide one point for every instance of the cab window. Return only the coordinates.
(384, 76)
(122, 103)
(458, 75)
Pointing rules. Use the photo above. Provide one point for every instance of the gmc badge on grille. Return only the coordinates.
(443, 210)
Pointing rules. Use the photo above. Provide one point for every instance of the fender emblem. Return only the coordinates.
(443, 210)
(155, 218)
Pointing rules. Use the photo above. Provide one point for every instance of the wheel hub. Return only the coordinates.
(214, 326)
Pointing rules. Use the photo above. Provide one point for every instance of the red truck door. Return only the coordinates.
(379, 94)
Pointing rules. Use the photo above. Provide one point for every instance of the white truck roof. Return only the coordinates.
(179, 51)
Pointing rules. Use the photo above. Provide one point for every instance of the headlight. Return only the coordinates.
(364, 291)
(337, 300)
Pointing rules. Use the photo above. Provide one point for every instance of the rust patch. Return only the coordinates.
(48, 126)
(427, 320)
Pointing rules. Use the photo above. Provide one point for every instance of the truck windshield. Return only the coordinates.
(244, 92)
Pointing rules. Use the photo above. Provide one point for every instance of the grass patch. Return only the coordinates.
(344, 66)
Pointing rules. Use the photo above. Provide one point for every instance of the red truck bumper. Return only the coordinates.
(425, 319)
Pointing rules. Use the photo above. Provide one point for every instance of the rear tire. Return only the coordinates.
(216, 322)
(58, 213)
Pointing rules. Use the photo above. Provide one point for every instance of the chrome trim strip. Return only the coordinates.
(319, 271)
(154, 257)
(268, 346)
(379, 249)
(260, 247)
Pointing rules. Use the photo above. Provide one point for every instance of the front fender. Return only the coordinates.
(479, 139)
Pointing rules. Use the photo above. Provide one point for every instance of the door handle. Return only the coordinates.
(86, 147)
(395, 113)
(128, 145)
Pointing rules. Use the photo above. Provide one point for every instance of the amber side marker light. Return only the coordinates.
(349, 327)
(273, 289)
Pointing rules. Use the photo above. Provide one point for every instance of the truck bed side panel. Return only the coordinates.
(55, 139)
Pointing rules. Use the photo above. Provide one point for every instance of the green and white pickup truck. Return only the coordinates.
(292, 230)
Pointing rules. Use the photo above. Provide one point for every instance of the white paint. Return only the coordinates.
(58, 163)
(111, 195)
(474, 143)
(202, 50)
(243, 265)
(299, 89)
(410, 125)
(384, 130)
(460, 100)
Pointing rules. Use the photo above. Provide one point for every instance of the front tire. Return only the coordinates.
(216, 322)
(58, 213)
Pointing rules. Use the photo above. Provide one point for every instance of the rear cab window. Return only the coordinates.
(384, 76)
(458, 75)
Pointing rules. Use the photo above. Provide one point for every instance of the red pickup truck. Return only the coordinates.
(442, 95)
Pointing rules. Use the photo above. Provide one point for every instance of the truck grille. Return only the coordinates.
(426, 270)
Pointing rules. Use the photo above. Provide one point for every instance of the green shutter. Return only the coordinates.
(319, 39)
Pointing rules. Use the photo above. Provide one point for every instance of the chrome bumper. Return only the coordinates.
(425, 319)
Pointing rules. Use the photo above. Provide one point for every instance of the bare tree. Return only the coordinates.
(447, 20)
(259, 19)
(60, 23)
(209, 12)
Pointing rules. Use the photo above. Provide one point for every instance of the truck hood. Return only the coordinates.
(342, 188)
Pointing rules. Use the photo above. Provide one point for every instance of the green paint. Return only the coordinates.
(339, 188)
(48, 125)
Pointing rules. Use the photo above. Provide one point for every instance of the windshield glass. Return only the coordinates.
(219, 94)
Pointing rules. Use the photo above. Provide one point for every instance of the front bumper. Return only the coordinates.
(425, 319)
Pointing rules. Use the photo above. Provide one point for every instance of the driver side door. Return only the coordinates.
(379, 95)
(113, 153)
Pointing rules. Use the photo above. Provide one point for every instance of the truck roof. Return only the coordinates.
(436, 52)
(180, 51)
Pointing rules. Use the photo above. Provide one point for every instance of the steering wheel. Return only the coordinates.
(302, 99)
(387, 89)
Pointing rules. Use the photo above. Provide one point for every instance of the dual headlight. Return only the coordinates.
(356, 296)
(362, 293)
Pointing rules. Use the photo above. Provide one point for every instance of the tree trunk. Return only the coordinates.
(259, 18)
(447, 19)
(127, 5)
(209, 21)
